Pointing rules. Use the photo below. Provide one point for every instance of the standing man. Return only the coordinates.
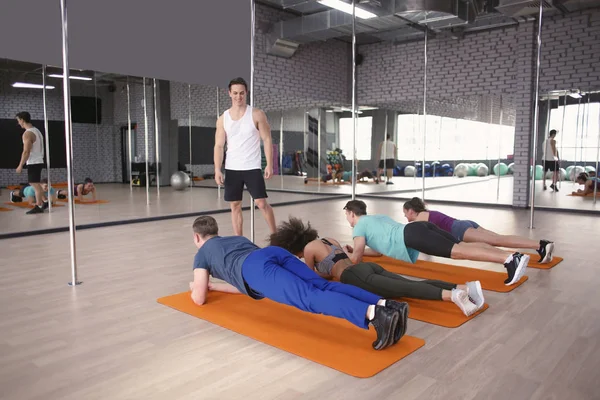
(390, 159)
(242, 127)
(551, 160)
(33, 155)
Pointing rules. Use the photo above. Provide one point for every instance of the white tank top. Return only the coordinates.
(243, 142)
(389, 150)
(36, 156)
(548, 154)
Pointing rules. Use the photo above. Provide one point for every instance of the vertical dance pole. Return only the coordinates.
(146, 144)
(252, 19)
(385, 132)
(499, 148)
(68, 140)
(597, 158)
(536, 113)
(562, 131)
(129, 137)
(319, 149)
(47, 138)
(190, 133)
(587, 128)
(156, 139)
(354, 119)
(576, 133)
(218, 115)
(96, 120)
(281, 148)
(424, 112)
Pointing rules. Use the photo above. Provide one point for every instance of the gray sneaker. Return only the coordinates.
(475, 293)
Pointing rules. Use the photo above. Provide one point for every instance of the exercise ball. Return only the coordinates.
(589, 168)
(346, 176)
(539, 172)
(180, 180)
(568, 171)
(574, 172)
(482, 170)
(500, 169)
(563, 174)
(511, 168)
(472, 169)
(461, 170)
(409, 170)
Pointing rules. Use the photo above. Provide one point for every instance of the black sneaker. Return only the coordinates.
(35, 210)
(62, 196)
(45, 205)
(385, 322)
(545, 187)
(14, 198)
(545, 251)
(402, 308)
(516, 268)
(553, 187)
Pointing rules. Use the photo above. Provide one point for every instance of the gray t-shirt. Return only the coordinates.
(223, 257)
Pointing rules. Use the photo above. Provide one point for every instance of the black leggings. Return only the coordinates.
(429, 239)
(373, 278)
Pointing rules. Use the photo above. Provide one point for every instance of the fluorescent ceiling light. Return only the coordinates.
(81, 78)
(30, 85)
(575, 95)
(347, 8)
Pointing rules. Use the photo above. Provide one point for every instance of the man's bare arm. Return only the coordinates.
(28, 140)
(220, 138)
(265, 134)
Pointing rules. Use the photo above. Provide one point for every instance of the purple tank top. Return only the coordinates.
(442, 221)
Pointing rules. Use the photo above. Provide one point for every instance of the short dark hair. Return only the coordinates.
(553, 132)
(25, 116)
(238, 81)
(388, 136)
(358, 207)
(293, 235)
(88, 180)
(583, 176)
(44, 180)
(415, 204)
(206, 226)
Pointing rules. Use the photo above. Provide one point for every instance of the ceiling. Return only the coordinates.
(405, 20)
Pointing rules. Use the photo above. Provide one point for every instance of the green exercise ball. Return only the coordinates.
(500, 169)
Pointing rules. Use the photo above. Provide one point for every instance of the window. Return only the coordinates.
(364, 130)
(577, 138)
(452, 139)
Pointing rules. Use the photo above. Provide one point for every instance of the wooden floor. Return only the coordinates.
(109, 339)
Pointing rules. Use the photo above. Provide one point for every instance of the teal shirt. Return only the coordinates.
(386, 236)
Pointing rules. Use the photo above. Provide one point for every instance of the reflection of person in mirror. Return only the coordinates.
(551, 160)
(33, 156)
(389, 154)
(242, 127)
(80, 190)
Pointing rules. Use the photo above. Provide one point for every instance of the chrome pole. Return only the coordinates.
(218, 116)
(190, 133)
(47, 138)
(587, 128)
(385, 132)
(156, 139)
(281, 148)
(129, 137)
(146, 144)
(576, 133)
(499, 148)
(562, 131)
(354, 121)
(536, 113)
(252, 33)
(68, 140)
(424, 113)
(597, 158)
(319, 150)
(96, 120)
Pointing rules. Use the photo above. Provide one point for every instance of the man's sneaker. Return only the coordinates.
(475, 293)
(14, 198)
(516, 268)
(545, 251)
(385, 322)
(461, 299)
(402, 308)
(35, 210)
(553, 187)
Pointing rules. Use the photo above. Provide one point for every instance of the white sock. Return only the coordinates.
(509, 259)
(381, 302)
(371, 312)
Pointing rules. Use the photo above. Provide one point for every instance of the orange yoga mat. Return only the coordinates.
(5, 209)
(26, 205)
(86, 202)
(442, 313)
(587, 195)
(490, 280)
(329, 341)
(534, 264)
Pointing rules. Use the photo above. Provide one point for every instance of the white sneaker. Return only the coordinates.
(461, 299)
(475, 293)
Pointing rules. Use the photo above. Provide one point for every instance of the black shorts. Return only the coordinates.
(235, 180)
(429, 239)
(389, 163)
(550, 165)
(34, 173)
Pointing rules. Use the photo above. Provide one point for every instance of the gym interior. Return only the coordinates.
(466, 93)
